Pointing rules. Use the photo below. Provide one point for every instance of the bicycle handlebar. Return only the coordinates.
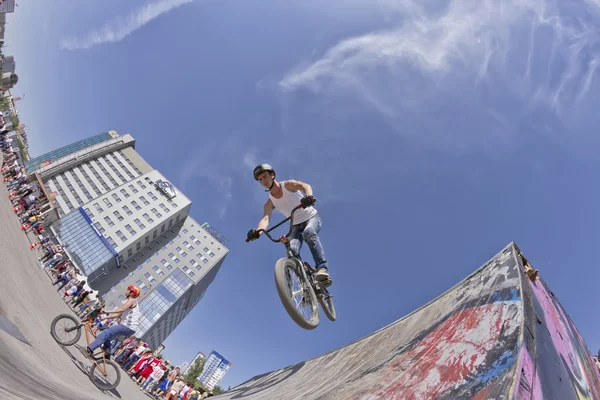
(290, 218)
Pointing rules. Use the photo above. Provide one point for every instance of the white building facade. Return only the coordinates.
(215, 368)
(121, 223)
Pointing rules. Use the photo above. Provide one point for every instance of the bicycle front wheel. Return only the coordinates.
(105, 375)
(296, 294)
(66, 329)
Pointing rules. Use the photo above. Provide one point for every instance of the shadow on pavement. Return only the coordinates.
(85, 369)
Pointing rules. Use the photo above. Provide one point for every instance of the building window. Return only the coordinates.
(111, 241)
(205, 249)
(116, 197)
(211, 254)
(170, 222)
(154, 234)
(162, 229)
(139, 267)
(130, 229)
(98, 208)
(88, 212)
(155, 211)
(177, 217)
(138, 246)
(141, 184)
(163, 207)
(139, 223)
(138, 283)
(143, 199)
(150, 220)
(136, 205)
(124, 193)
(118, 215)
(152, 196)
(129, 253)
(147, 240)
(184, 254)
(127, 210)
(147, 275)
(133, 189)
(109, 221)
(121, 236)
(176, 260)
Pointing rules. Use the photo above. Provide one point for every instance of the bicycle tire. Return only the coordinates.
(282, 265)
(327, 307)
(53, 329)
(109, 386)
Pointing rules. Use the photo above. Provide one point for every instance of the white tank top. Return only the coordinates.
(288, 202)
(131, 317)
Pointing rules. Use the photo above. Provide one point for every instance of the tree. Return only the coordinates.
(195, 371)
(217, 389)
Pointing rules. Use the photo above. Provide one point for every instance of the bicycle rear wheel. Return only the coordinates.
(66, 329)
(296, 295)
(108, 379)
(326, 302)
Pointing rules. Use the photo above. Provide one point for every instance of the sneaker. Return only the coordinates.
(322, 275)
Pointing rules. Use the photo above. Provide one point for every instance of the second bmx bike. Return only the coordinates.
(66, 330)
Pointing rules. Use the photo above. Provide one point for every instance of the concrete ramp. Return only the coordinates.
(495, 335)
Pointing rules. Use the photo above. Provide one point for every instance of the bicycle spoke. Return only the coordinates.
(61, 330)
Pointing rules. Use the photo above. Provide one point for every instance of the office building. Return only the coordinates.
(121, 222)
(184, 367)
(173, 272)
(7, 6)
(8, 64)
(198, 356)
(215, 368)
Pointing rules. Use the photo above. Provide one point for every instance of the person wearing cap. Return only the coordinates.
(129, 313)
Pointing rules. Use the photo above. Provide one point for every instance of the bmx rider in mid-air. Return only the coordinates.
(284, 196)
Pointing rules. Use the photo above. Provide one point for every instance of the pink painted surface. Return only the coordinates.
(569, 345)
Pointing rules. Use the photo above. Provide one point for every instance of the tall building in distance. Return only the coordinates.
(198, 356)
(215, 368)
(122, 222)
(184, 367)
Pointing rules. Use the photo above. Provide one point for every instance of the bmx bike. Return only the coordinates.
(297, 287)
(104, 373)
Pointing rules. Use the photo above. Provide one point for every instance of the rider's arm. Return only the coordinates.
(119, 310)
(268, 210)
(294, 186)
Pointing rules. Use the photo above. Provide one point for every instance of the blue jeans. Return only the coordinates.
(50, 263)
(125, 354)
(109, 334)
(146, 385)
(308, 232)
(131, 360)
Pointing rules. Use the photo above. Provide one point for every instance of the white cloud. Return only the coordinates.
(121, 27)
(531, 49)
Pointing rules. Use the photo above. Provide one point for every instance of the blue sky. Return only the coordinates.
(432, 138)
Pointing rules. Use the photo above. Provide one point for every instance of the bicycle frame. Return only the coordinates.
(89, 331)
(286, 242)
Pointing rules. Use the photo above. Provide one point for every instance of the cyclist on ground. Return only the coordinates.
(284, 196)
(130, 316)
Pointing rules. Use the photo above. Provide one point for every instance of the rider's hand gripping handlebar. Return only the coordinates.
(290, 218)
